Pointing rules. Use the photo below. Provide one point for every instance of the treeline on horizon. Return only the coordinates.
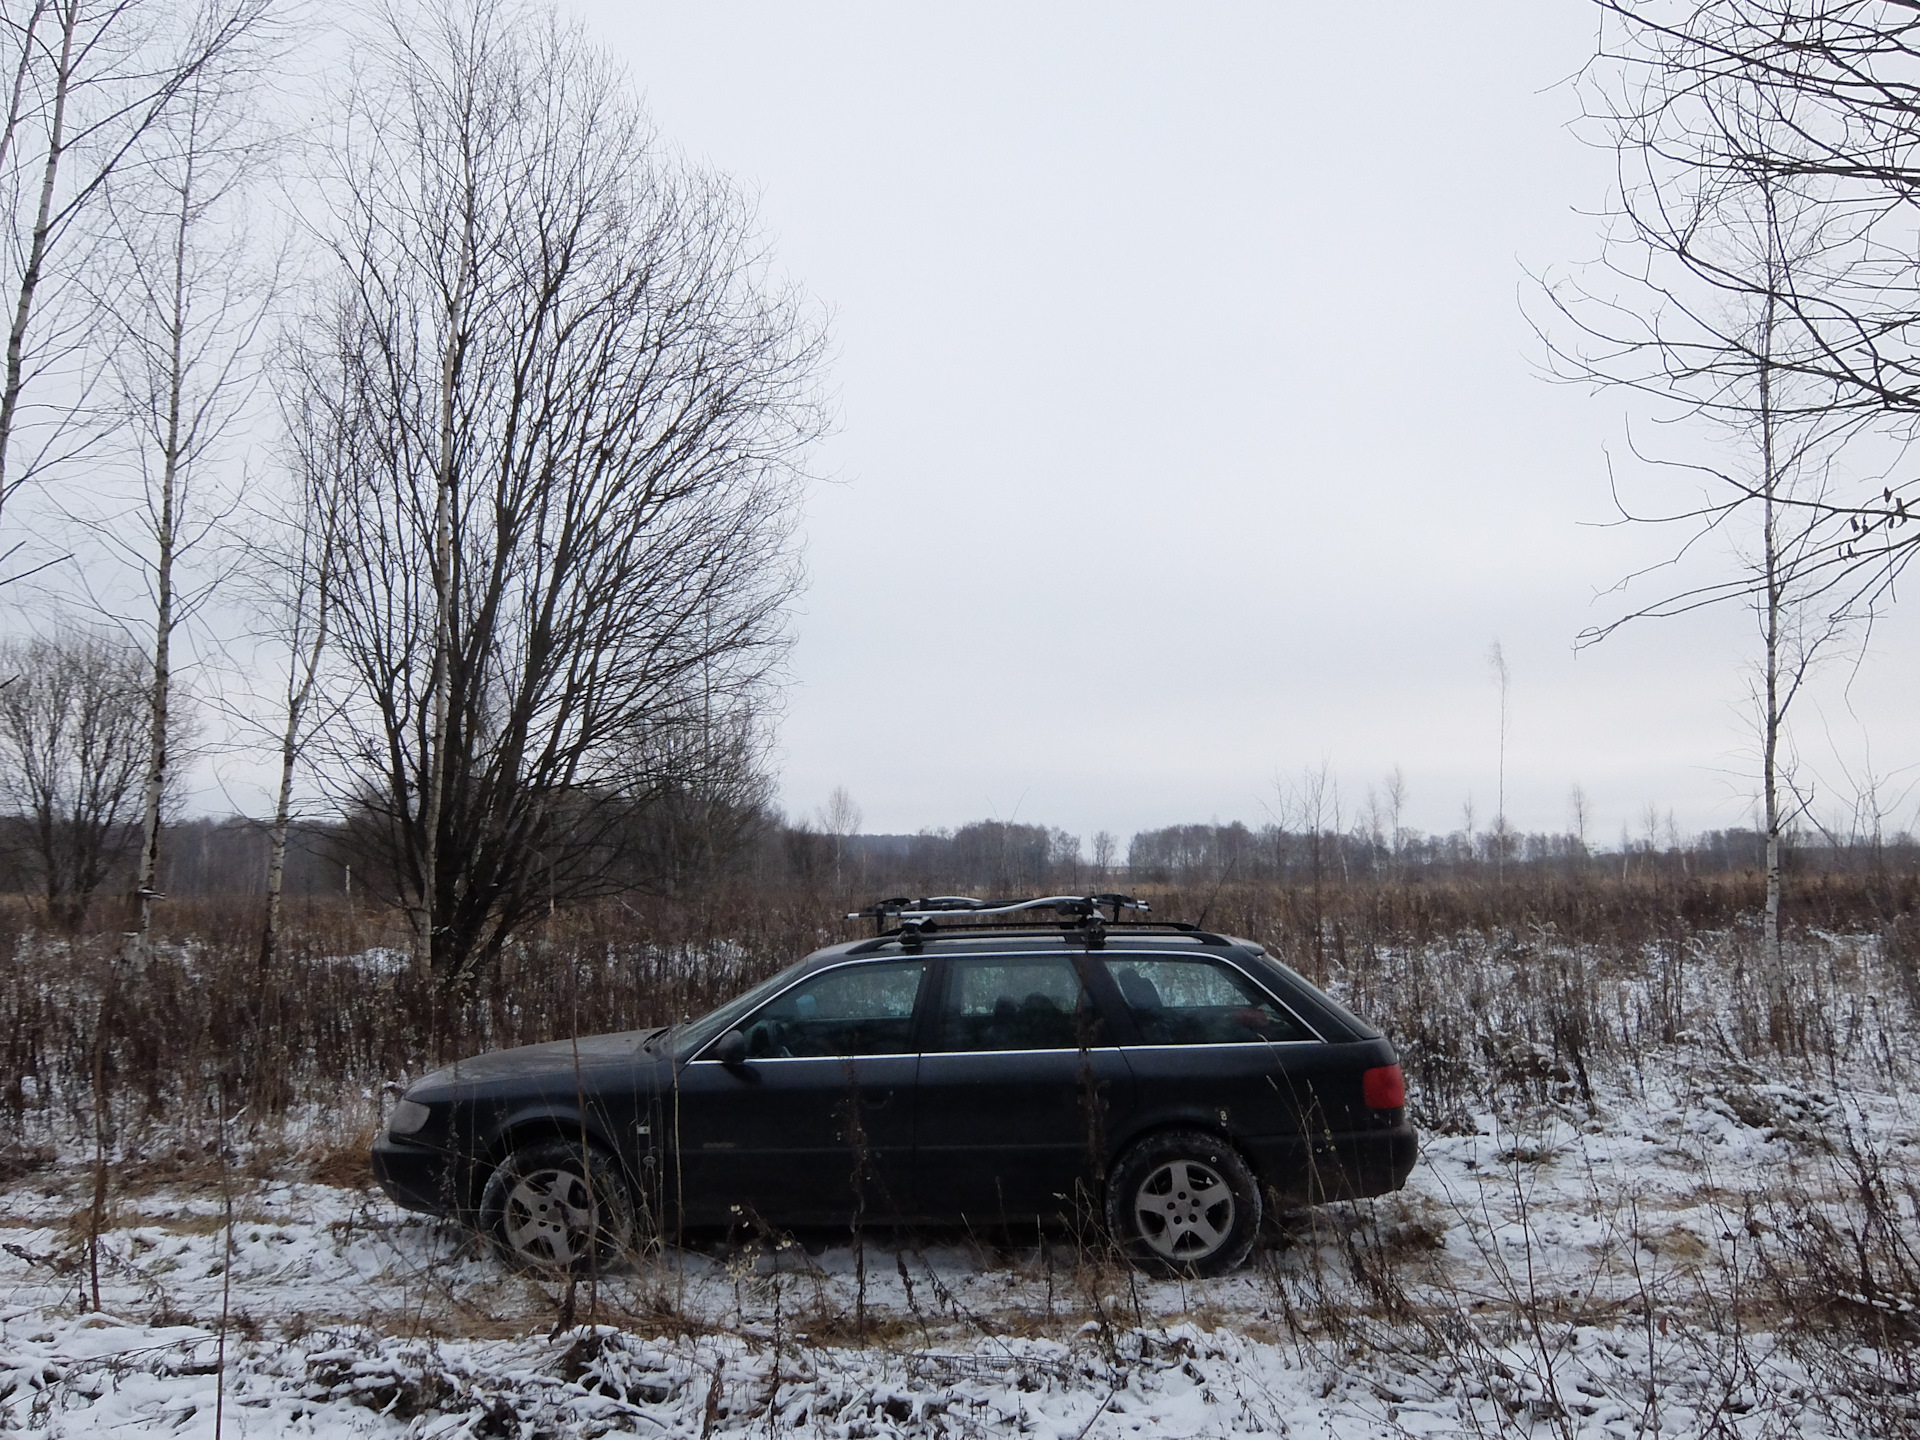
(686, 849)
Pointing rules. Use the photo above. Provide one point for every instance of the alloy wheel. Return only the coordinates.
(551, 1218)
(1184, 1211)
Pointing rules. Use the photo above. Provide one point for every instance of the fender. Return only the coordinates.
(1178, 1117)
(543, 1119)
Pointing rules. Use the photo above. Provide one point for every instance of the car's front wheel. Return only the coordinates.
(1183, 1203)
(557, 1205)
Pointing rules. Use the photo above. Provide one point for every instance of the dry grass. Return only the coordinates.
(197, 1030)
(340, 1160)
(1534, 998)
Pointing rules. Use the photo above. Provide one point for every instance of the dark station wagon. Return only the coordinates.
(961, 1067)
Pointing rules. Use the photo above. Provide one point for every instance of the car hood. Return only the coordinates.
(524, 1062)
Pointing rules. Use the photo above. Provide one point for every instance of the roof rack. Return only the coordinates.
(916, 918)
(935, 906)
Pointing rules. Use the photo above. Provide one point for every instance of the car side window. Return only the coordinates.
(1191, 1001)
(1016, 1002)
(853, 1010)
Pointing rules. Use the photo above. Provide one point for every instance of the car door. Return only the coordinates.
(817, 1120)
(1211, 1047)
(1018, 1081)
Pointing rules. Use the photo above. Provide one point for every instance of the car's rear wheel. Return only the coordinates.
(557, 1205)
(1183, 1203)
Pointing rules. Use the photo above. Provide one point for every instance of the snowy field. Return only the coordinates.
(1690, 1240)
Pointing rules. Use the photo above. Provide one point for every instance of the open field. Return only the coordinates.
(1647, 1204)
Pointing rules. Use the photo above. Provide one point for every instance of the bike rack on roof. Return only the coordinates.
(1081, 914)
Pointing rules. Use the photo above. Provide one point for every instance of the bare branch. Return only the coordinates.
(578, 403)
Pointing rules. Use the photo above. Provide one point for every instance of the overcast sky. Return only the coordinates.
(1190, 425)
(1191, 430)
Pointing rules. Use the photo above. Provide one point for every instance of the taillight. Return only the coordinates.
(1384, 1088)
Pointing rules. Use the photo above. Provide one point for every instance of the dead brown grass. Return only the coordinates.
(341, 1160)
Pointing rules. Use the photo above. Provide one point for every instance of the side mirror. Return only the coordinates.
(731, 1049)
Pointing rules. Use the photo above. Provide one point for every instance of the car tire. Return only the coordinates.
(1183, 1203)
(557, 1206)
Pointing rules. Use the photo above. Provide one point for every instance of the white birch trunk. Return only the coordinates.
(300, 683)
(34, 269)
(166, 535)
(1774, 601)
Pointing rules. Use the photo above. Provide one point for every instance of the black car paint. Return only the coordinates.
(940, 1136)
(776, 1138)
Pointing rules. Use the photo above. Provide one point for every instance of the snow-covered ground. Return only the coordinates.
(1707, 1244)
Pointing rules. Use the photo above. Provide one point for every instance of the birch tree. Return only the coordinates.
(88, 82)
(183, 320)
(1815, 100)
(1788, 468)
(585, 401)
(301, 563)
(1732, 281)
(1502, 832)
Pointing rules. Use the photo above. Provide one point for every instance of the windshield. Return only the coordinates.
(687, 1038)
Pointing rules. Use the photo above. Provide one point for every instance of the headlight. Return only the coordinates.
(408, 1116)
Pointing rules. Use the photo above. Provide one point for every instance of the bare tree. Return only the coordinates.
(1396, 814)
(1502, 679)
(1812, 101)
(89, 81)
(1732, 279)
(1313, 808)
(841, 815)
(1371, 830)
(299, 559)
(583, 401)
(1063, 860)
(701, 817)
(183, 315)
(1106, 849)
(840, 818)
(73, 747)
(1793, 630)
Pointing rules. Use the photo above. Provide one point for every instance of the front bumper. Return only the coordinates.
(417, 1177)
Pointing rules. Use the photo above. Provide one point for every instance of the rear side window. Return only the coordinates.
(1016, 1002)
(854, 1010)
(1182, 1001)
(1357, 1027)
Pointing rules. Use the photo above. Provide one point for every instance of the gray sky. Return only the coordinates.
(1190, 429)
(1190, 426)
